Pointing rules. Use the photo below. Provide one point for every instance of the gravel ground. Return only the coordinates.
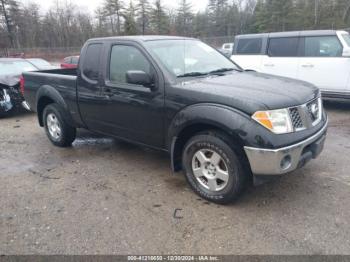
(107, 197)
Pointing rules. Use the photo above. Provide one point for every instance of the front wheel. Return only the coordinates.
(57, 129)
(212, 168)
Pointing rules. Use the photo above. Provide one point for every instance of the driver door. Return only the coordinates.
(132, 111)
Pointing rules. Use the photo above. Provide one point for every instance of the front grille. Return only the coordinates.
(307, 115)
(313, 110)
(295, 117)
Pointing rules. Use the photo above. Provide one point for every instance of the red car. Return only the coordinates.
(70, 62)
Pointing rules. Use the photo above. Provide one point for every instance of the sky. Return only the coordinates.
(198, 5)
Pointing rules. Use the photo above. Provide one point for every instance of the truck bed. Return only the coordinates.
(60, 80)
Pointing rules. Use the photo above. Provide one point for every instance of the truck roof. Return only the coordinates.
(291, 34)
(141, 38)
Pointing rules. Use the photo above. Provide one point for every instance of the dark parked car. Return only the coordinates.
(11, 70)
(219, 124)
(70, 62)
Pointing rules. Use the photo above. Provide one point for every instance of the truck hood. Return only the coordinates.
(251, 92)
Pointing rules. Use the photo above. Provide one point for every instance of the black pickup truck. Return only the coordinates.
(220, 124)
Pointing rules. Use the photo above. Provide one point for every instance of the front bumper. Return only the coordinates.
(284, 160)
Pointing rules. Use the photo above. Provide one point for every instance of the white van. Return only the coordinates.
(319, 57)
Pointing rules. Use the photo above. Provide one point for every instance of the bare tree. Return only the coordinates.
(8, 9)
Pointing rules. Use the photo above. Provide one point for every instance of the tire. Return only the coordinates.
(57, 129)
(224, 180)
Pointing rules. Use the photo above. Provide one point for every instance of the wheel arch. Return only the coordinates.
(48, 95)
(199, 118)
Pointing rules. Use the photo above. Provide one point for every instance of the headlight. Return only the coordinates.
(277, 121)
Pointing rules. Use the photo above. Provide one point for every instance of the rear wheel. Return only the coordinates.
(213, 168)
(57, 129)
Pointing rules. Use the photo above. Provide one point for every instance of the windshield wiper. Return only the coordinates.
(192, 74)
(222, 70)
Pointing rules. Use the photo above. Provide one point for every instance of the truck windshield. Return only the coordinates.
(190, 57)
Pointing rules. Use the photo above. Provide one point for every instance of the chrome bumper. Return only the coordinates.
(284, 160)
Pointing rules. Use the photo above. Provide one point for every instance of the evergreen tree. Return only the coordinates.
(114, 10)
(218, 16)
(201, 25)
(130, 27)
(143, 15)
(184, 18)
(159, 19)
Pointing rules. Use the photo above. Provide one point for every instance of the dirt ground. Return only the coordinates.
(107, 197)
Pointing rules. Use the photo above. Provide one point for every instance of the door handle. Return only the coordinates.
(269, 65)
(308, 65)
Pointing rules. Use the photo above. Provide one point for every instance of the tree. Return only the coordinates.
(29, 26)
(101, 26)
(130, 27)
(201, 25)
(159, 19)
(274, 15)
(65, 25)
(114, 10)
(9, 10)
(218, 16)
(143, 15)
(184, 18)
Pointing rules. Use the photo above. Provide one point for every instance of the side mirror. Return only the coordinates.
(139, 78)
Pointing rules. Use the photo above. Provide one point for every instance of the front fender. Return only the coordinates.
(234, 122)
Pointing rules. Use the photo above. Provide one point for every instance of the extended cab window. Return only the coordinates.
(322, 46)
(92, 61)
(126, 58)
(283, 47)
(249, 46)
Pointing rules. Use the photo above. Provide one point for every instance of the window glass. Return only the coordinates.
(67, 60)
(124, 59)
(283, 47)
(346, 38)
(249, 46)
(183, 57)
(92, 61)
(323, 46)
